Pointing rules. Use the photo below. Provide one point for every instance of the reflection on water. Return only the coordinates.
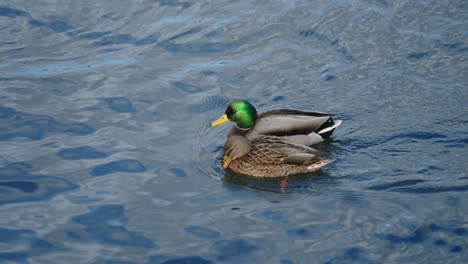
(107, 156)
(317, 180)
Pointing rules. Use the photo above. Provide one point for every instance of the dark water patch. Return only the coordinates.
(456, 146)
(101, 214)
(383, 2)
(84, 152)
(39, 243)
(460, 231)
(189, 88)
(121, 262)
(420, 135)
(274, 215)
(120, 104)
(73, 128)
(146, 41)
(17, 257)
(173, 3)
(82, 199)
(345, 52)
(18, 185)
(105, 224)
(211, 34)
(417, 55)
(416, 237)
(58, 26)
(12, 13)
(112, 50)
(125, 165)
(118, 235)
(3, 79)
(350, 255)
(73, 235)
(188, 260)
(440, 242)
(316, 35)
(17, 236)
(230, 249)
(454, 143)
(330, 78)
(208, 73)
(433, 189)
(24, 186)
(202, 232)
(387, 186)
(212, 47)
(160, 259)
(278, 98)
(94, 35)
(35, 127)
(55, 80)
(115, 40)
(456, 249)
(434, 227)
(300, 232)
(396, 150)
(454, 47)
(430, 169)
(6, 112)
(351, 197)
(339, 48)
(423, 135)
(22, 237)
(146, 101)
(178, 172)
(183, 34)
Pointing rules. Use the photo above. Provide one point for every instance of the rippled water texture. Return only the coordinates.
(106, 154)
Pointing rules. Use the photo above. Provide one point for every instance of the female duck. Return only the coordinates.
(270, 156)
(298, 126)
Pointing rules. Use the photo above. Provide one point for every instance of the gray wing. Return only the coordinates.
(288, 122)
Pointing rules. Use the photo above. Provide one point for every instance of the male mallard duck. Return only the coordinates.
(299, 126)
(270, 156)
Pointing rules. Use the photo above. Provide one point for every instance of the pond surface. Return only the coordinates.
(106, 154)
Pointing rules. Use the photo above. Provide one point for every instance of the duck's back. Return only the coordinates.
(304, 126)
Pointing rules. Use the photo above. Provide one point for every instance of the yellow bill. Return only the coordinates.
(220, 121)
(227, 161)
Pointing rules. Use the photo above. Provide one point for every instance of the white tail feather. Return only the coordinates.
(325, 130)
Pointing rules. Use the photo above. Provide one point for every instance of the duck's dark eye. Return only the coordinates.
(230, 112)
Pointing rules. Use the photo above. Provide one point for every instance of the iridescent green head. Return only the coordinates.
(239, 111)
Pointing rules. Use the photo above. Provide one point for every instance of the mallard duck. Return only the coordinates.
(270, 156)
(298, 126)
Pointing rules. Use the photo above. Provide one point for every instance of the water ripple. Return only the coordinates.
(107, 154)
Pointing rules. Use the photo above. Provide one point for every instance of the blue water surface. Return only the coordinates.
(106, 154)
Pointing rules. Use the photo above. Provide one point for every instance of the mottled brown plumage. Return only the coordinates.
(270, 156)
